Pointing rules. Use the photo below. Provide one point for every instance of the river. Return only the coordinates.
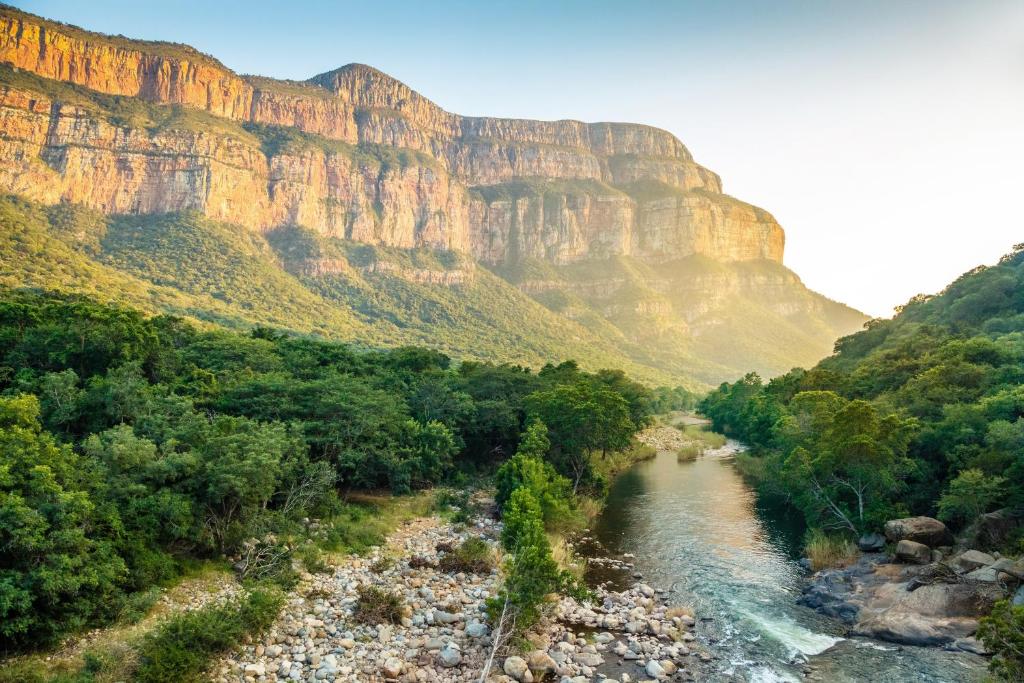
(699, 531)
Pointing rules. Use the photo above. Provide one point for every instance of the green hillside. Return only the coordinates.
(923, 414)
(194, 267)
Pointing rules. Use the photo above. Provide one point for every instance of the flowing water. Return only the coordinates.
(698, 530)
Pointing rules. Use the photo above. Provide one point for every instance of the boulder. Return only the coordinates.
(913, 552)
(540, 662)
(654, 669)
(1014, 568)
(871, 543)
(993, 529)
(970, 560)
(516, 667)
(927, 530)
(983, 574)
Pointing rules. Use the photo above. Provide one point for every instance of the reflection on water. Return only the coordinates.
(698, 529)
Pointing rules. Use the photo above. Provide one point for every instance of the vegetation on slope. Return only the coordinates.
(921, 414)
(130, 446)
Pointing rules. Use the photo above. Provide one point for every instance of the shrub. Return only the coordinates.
(473, 556)
(377, 606)
(382, 564)
(1002, 632)
(530, 571)
(181, 648)
(420, 562)
(827, 551)
(312, 559)
(971, 493)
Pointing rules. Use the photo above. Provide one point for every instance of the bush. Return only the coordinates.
(473, 556)
(377, 606)
(530, 570)
(825, 551)
(181, 648)
(1002, 632)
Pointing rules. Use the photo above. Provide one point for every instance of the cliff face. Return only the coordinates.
(443, 181)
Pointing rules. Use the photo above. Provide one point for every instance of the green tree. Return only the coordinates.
(844, 459)
(528, 469)
(583, 420)
(57, 570)
(971, 493)
(1002, 632)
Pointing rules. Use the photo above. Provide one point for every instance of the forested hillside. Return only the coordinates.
(131, 446)
(921, 414)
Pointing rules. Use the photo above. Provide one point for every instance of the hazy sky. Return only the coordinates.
(886, 137)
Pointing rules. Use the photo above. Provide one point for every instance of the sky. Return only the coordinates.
(887, 137)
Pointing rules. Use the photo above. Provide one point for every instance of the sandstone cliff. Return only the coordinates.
(369, 159)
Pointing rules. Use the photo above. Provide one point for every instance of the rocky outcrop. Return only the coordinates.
(61, 145)
(924, 530)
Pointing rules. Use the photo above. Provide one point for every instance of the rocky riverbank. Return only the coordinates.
(923, 593)
(444, 635)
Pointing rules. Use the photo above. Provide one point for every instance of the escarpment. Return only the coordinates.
(367, 158)
(352, 206)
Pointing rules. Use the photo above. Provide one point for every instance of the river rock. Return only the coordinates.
(926, 530)
(540, 662)
(992, 529)
(914, 552)
(392, 668)
(970, 560)
(983, 574)
(449, 656)
(516, 667)
(871, 543)
(654, 669)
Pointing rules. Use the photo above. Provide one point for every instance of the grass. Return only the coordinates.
(472, 556)
(612, 464)
(828, 551)
(377, 606)
(565, 556)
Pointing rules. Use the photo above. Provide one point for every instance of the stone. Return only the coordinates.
(257, 669)
(871, 543)
(913, 552)
(540, 662)
(973, 559)
(654, 669)
(926, 530)
(449, 656)
(477, 630)
(516, 667)
(392, 668)
(983, 574)
(589, 659)
(442, 617)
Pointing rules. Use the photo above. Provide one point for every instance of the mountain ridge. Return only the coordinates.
(355, 156)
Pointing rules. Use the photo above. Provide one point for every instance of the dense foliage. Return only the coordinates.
(921, 414)
(130, 444)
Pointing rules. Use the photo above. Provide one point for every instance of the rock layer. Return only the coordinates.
(563, 191)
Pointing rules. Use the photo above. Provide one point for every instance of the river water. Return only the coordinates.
(699, 531)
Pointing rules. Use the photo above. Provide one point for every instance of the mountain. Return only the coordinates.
(353, 207)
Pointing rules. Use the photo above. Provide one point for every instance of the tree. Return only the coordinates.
(582, 419)
(528, 469)
(843, 458)
(971, 493)
(57, 570)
